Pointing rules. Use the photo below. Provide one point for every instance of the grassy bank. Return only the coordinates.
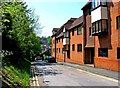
(15, 76)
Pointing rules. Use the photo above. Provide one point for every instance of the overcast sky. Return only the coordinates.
(55, 13)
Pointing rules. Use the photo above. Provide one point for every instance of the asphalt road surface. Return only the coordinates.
(61, 75)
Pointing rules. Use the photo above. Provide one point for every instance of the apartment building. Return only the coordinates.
(61, 53)
(74, 40)
(93, 38)
(105, 19)
(54, 31)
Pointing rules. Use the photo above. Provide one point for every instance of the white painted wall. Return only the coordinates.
(64, 29)
(99, 13)
(65, 41)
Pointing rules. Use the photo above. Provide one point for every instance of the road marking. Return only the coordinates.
(33, 81)
(37, 83)
(111, 79)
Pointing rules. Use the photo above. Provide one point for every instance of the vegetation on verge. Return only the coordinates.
(16, 76)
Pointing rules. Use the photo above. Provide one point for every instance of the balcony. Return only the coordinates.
(100, 27)
(99, 13)
(99, 17)
(66, 41)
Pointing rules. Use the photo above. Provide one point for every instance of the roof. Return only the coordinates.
(55, 29)
(77, 22)
(60, 35)
(86, 4)
(66, 25)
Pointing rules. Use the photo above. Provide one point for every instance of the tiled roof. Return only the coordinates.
(55, 29)
(77, 22)
(60, 35)
(66, 25)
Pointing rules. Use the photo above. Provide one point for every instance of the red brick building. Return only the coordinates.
(54, 31)
(60, 53)
(74, 52)
(93, 38)
(105, 19)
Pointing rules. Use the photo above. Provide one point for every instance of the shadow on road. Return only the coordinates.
(44, 68)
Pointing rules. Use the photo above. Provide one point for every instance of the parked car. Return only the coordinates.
(50, 59)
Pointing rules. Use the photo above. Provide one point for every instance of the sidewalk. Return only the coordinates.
(99, 71)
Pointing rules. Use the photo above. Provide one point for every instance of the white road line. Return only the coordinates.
(111, 79)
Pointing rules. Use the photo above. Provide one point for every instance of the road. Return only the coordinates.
(62, 75)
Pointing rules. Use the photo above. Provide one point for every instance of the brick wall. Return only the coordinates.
(110, 41)
(53, 46)
(59, 55)
(75, 56)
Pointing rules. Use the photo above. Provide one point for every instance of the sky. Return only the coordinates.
(55, 13)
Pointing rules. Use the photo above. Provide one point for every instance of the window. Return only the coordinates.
(100, 26)
(64, 34)
(93, 28)
(103, 52)
(72, 32)
(89, 31)
(104, 25)
(79, 47)
(68, 54)
(118, 53)
(97, 3)
(79, 30)
(118, 22)
(96, 27)
(93, 3)
(59, 50)
(62, 50)
(104, 2)
(73, 47)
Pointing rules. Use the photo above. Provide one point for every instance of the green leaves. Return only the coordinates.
(6, 20)
(18, 24)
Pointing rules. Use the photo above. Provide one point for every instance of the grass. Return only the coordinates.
(18, 75)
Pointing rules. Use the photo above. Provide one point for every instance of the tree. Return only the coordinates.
(18, 24)
(49, 41)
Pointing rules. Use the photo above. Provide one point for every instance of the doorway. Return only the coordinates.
(89, 56)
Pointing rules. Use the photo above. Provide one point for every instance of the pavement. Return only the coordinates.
(66, 74)
(103, 72)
